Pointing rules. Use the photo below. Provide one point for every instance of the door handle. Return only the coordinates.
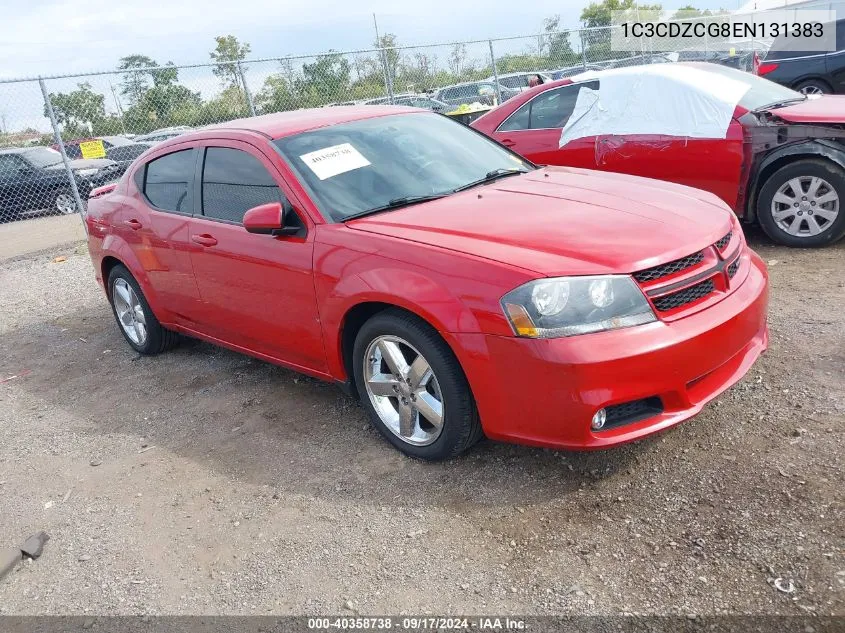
(133, 224)
(204, 240)
(507, 142)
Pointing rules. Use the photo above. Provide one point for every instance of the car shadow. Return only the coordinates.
(261, 424)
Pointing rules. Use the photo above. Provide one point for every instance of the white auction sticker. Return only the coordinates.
(334, 160)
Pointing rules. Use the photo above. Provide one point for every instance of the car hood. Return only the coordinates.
(826, 109)
(85, 163)
(565, 221)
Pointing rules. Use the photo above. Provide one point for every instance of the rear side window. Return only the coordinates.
(233, 182)
(168, 181)
(548, 110)
(73, 151)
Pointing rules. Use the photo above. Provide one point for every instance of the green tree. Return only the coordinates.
(78, 109)
(389, 55)
(228, 49)
(599, 16)
(136, 79)
(458, 59)
(556, 46)
(326, 80)
(278, 94)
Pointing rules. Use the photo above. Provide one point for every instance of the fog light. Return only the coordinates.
(599, 419)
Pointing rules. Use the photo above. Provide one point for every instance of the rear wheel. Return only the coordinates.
(814, 87)
(413, 387)
(801, 204)
(139, 325)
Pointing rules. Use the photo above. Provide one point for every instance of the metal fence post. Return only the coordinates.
(58, 135)
(246, 90)
(495, 72)
(583, 49)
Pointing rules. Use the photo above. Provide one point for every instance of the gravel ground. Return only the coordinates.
(204, 482)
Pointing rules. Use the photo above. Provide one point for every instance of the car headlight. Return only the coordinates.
(84, 173)
(567, 306)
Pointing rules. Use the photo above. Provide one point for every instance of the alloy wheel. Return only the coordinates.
(130, 312)
(65, 204)
(403, 390)
(805, 206)
(812, 90)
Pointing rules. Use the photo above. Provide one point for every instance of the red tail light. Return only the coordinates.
(766, 68)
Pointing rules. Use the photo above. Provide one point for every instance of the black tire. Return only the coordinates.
(814, 86)
(158, 338)
(461, 426)
(829, 171)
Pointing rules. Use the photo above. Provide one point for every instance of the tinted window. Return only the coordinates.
(518, 81)
(548, 110)
(168, 181)
(761, 92)
(234, 182)
(10, 165)
(73, 151)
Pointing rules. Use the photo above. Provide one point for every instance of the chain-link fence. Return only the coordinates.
(62, 136)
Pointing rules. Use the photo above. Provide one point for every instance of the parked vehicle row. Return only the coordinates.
(453, 286)
(33, 179)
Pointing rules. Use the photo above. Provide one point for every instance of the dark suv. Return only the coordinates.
(34, 178)
(805, 71)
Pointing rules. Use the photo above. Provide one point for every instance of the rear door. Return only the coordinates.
(156, 228)
(534, 129)
(257, 290)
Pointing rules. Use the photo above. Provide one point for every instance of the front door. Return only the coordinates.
(257, 291)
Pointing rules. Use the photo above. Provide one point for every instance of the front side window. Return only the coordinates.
(518, 81)
(548, 110)
(233, 182)
(356, 167)
(168, 181)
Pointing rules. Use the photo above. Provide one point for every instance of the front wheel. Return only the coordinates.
(65, 203)
(413, 387)
(801, 204)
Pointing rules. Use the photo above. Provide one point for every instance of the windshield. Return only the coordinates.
(354, 167)
(42, 156)
(761, 92)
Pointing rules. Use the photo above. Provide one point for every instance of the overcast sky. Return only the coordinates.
(66, 36)
(58, 37)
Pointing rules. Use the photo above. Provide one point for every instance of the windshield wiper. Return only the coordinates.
(491, 176)
(780, 104)
(397, 203)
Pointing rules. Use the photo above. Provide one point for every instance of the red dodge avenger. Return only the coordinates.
(453, 286)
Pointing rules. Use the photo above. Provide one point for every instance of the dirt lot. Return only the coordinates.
(202, 481)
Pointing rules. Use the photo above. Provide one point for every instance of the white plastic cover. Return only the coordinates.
(659, 99)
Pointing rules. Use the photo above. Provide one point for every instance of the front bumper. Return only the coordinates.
(545, 392)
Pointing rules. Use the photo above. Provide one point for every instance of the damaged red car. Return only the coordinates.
(454, 287)
(775, 156)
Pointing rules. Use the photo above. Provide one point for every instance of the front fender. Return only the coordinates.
(413, 291)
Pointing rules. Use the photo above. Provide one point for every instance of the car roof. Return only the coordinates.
(281, 124)
(15, 150)
(467, 83)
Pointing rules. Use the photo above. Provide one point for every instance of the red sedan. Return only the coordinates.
(459, 290)
(774, 155)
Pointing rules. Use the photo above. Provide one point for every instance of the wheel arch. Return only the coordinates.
(116, 252)
(813, 77)
(814, 149)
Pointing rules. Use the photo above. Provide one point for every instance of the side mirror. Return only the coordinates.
(272, 218)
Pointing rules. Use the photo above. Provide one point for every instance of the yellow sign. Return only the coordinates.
(92, 149)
